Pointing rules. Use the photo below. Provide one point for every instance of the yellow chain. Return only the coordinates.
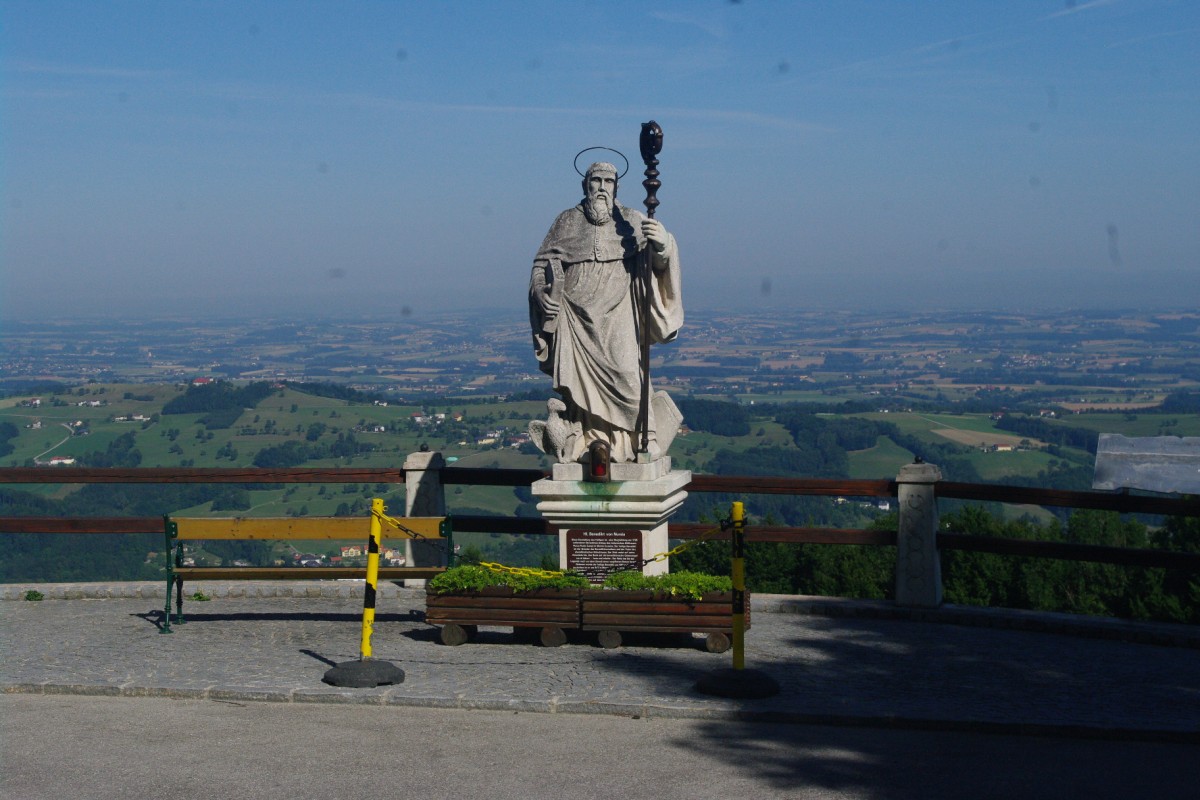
(679, 548)
(527, 571)
(395, 523)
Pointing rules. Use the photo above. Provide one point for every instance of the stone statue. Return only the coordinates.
(587, 323)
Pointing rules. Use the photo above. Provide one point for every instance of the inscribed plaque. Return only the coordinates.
(598, 554)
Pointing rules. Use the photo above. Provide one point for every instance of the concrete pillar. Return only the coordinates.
(918, 565)
(423, 497)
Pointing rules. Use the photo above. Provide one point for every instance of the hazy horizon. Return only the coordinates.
(254, 158)
(313, 314)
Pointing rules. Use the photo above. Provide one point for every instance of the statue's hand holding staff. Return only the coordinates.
(655, 233)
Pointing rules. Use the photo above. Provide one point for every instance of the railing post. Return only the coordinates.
(424, 496)
(918, 565)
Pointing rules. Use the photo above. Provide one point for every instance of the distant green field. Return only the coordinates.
(997, 466)
(927, 426)
(496, 499)
(796, 396)
(919, 425)
(884, 460)
(980, 423)
(534, 408)
(697, 448)
(773, 434)
(504, 458)
(1134, 424)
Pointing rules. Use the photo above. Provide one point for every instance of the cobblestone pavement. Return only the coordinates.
(845, 669)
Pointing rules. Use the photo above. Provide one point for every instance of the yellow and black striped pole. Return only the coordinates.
(737, 516)
(366, 672)
(738, 682)
(371, 588)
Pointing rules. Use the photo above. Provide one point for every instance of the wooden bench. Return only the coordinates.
(177, 530)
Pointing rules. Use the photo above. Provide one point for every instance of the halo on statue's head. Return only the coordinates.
(609, 149)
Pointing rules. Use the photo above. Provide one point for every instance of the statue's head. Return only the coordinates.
(600, 190)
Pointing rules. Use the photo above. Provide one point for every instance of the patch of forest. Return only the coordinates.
(8, 432)
(985, 579)
(91, 557)
(218, 396)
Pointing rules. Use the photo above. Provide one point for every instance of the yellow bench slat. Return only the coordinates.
(357, 528)
(300, 573)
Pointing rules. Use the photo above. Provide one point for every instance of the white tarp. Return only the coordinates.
(1154, 463)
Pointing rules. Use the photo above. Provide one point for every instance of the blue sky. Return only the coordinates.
(310, 157)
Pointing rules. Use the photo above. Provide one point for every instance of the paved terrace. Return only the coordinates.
(838, 662)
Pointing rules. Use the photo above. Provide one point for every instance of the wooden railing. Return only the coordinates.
(737, 485)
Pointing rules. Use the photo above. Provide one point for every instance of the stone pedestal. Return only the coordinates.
(639, 499)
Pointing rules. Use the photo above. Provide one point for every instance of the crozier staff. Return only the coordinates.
(587, 324)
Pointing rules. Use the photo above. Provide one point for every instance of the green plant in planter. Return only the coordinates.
(34, 594)
(692, 585)
(472, 578)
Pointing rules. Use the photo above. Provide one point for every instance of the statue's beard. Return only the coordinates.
(597, 209)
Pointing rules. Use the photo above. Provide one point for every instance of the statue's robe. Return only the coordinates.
(592, 346)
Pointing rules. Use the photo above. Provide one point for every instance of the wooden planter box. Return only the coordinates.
(460, 614)
(612, 612)
(608, 612)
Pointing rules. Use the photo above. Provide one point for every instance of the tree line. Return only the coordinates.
(986, 579)
(8, 432)
(294, 453)
(90, 557)
(218, 396)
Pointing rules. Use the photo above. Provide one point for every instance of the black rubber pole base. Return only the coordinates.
(744, 684)
(364, 674)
